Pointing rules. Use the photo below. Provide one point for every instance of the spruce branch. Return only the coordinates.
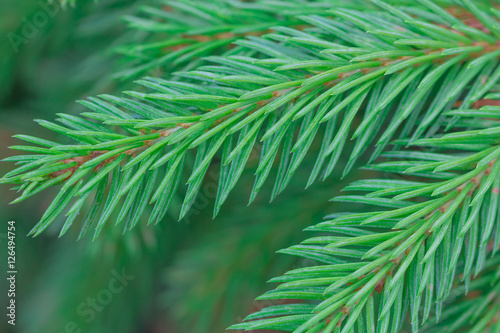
(473, 307)
(415, 248)
(389, 63)
(414, 82)
(179, 34)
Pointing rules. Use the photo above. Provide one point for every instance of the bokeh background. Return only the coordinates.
(197, 275)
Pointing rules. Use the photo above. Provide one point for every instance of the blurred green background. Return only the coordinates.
(196, 275)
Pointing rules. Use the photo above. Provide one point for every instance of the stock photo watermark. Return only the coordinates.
(11, 272)
(31, 25)
(92, 305)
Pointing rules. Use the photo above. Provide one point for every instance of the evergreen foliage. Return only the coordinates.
(178, 35)
(413, 84)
